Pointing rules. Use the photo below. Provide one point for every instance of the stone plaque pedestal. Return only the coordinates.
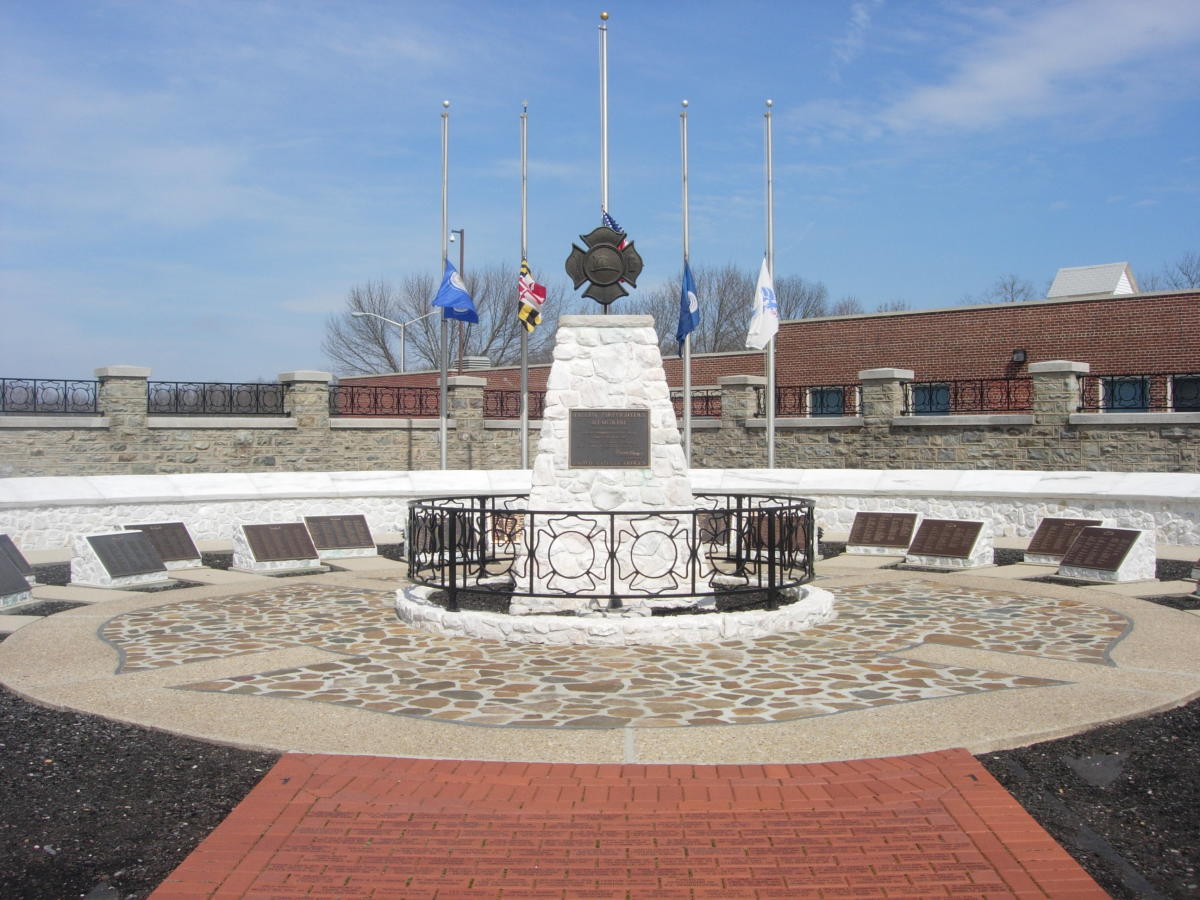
(881, 534)
(304, 560)
(1111, 555)
(951, 544)
(88, 570)
(606, 363)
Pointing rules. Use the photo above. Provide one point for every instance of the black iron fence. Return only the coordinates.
(501, 404)
(48, 396)
(383, 400)
(731, 545)
(705, 402)
(804, 400)
(964, 396)
(1159, 392)
(206, 398)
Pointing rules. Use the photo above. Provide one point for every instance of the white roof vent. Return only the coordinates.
(1108, 280)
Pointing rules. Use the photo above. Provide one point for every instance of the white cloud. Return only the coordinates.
(847, 48)
(1080, 53)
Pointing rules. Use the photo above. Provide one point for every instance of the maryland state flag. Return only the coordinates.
(530, 297)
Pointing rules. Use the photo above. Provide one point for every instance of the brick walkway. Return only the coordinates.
(917, 827)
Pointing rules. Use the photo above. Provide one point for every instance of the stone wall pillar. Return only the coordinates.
(883, 394)
(739, 398)
(122, 397)
(1056, 390)
(306, 398)
(464, 399)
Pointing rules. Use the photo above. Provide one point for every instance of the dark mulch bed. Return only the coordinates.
(46, 608)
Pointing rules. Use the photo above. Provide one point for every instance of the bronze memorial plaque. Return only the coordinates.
(11, 579)
(945, 537)
(9, 549)
(1101, 548)
(609, 439)
(880, 529)
(170, 539)
(275, 543)
(1055, 536)
(130, 553)
(340, 532)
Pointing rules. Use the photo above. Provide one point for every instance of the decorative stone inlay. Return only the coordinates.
(848, 664)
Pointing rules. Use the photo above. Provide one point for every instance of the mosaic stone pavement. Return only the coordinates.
(378, 664)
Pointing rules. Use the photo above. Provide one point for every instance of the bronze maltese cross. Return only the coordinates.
(606, 263)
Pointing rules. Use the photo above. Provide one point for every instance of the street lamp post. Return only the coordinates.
(461, 234)
(400, 325)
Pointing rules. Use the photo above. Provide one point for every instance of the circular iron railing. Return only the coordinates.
(728, 545)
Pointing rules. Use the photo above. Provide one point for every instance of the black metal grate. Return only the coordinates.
(206, 398)
(383, 400)
(48, 396)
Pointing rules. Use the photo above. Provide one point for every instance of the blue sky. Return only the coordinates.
(194, 185)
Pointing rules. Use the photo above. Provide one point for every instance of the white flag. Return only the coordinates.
(765, 321)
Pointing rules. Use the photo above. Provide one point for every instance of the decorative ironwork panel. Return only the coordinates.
(383, 400)
(803, 400)
(202, 398)
(501, 404)
(48, 396)
(966, 396)
(705, 402)
(1159, 392)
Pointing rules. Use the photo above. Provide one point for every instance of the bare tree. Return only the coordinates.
(893, 306)
(1181, 275)
(848, 305)
(1008, 288)
(800, 299)
(366, 345)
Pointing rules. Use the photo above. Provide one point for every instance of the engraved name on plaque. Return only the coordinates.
(9, 549)
(1101, 548)
(880, 529)
(608, 439)
(1054, 536)
(339, 532)
(126, 554)
(277, 543)
(945, 537)
(170, 539)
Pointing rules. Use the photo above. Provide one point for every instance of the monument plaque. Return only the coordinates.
(276, 543)
(609, 439)
(125, 554)
(339, 532)
(1101, 548)
(945, 537)
(170, 539)
(880, 529)
(1055, 536)
(12, 582)
(9, 549)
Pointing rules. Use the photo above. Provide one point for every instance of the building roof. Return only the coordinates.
(1110, 279)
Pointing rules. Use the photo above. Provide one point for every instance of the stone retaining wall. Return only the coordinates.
(1053, 436)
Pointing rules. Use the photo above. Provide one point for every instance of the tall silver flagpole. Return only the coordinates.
(771, 270)
(524, 256)
(687, 341)
(603, 117)
(443, 393)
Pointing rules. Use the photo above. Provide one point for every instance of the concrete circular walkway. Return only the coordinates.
(915, 663)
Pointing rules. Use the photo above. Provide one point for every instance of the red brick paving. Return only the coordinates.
(905, 828)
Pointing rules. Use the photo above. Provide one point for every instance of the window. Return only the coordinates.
(1126, 394)
(1185, 393)
(931, 399)
(827, 401)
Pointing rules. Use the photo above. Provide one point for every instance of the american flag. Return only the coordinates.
(610, 222)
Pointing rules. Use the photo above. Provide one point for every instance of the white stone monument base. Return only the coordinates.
(815, 607)
(347, 553)
(1138, 565)
(88, 571)
(244, 561)
(1042, 559)
(982, 554)
(869, 550)
(174, 564)
(8, 600)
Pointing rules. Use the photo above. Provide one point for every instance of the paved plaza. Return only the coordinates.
(834, 762)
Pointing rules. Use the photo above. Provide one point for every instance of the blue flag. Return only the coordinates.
(689, 307)
(453, 298)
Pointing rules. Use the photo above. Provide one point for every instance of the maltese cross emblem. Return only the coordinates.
(607, 261)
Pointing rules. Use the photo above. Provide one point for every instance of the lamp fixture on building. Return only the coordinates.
(1018, 356)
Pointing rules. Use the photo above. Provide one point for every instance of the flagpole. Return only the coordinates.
(771, 270)
(687, 340)
(443, 394)
(524, 256)
(604, 121)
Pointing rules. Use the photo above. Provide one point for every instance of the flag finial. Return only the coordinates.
(445, 104)
(685, 103)
(603, 17)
